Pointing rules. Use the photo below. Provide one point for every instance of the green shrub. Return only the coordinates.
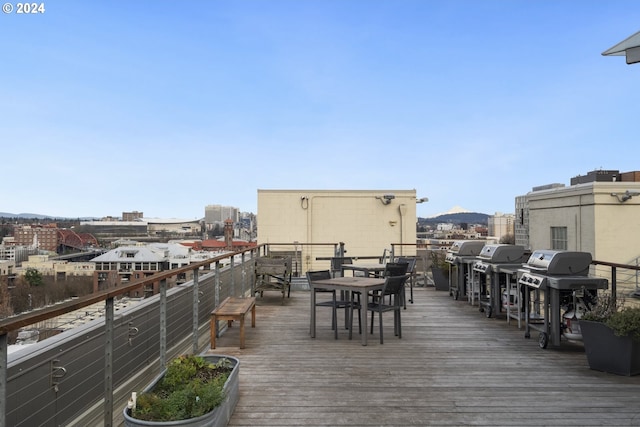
(191, 387)
(605, 306)
(624, 321)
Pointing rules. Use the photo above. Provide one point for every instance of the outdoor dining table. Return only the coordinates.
(364, 285)
(367, 269)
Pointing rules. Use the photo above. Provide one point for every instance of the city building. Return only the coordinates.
(138, 260)
(599, 217)
(226, 244)
(59, 270)
(521, 224)
(44, 237)
(17, 253)
(217, 214)
(49, 237)
(132, 216)
(144, 227)
(7, 267)
(501, 226)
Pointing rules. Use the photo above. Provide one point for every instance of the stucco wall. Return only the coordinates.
(355, 217)
(596, 221)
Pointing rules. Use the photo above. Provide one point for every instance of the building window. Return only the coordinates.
(559, 238)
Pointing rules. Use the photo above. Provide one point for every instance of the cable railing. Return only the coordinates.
(117, 339)
(79, 375)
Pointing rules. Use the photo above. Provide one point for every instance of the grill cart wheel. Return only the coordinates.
(543, 340)
(457, 295)
(527, 335)
(481, 309)
(488, 312)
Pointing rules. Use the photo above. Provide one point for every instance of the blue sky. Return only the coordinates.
(167, 106)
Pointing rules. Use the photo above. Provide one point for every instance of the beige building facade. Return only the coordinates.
(595, 217)
(56, 268)
(501, 225)
(367, 221)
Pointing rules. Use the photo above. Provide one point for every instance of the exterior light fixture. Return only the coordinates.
(422, 200)
(386, 199)
(626, 195)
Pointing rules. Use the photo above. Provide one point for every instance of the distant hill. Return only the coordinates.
(38, 216)
(457, 218)
(24, 215)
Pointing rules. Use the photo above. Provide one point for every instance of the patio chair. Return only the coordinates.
(386, 256)
(337, 263)
(272, 274)
(397, 269)
(335, 303)
(411, 270)
(393, 289)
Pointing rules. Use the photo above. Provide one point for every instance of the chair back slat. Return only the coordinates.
(395, 269)
(394, 285)
(410, 261)
(312, 276)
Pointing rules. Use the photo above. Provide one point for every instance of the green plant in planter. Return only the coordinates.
(624, 321)
(611, 335)
(191, 387)
(438, 261)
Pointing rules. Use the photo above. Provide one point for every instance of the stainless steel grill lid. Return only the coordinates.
(502, 253)
(493, 256)
(560, 270)
(467, 247)
(551, 262)
(461, 251)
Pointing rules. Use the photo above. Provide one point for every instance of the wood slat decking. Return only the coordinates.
(453, 367)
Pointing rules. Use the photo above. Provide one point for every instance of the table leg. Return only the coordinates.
(253, 316)
(242, 331)
(364, 302)
(313, 312)
(213, 327)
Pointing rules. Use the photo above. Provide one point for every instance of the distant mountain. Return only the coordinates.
(38, 216)
(457, 218)
(24, 215)
(454, 210)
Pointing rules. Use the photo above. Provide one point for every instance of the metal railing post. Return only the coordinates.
(163, 323)
(196, 302)
(637, 264)
(4, 342)
(233, 279)
(614, 295)
(216, 290)
(108, 362)
(244, 273)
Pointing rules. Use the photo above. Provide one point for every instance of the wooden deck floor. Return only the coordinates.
(453, 366)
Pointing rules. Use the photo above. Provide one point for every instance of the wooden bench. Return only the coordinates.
(233, 309)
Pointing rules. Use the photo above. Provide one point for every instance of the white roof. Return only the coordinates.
(130, 253)
(169, 220)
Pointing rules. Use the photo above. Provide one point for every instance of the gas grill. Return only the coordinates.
(562, 277)
(493, 271)
(461, 256)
